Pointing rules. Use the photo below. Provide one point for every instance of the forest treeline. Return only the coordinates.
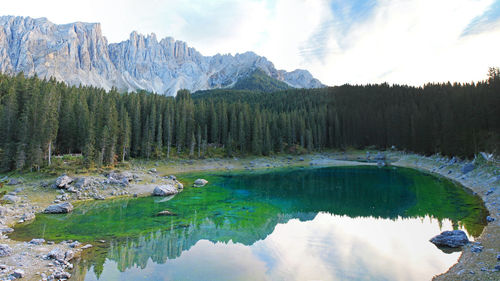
(41, 118)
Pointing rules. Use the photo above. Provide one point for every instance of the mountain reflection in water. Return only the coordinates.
(326, 224)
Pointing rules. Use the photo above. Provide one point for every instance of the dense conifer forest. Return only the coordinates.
(42, 118)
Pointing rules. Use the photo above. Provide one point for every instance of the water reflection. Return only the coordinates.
(359, 223)
(329, 247)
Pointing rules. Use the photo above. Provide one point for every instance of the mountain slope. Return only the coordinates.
(78, 53)
(260, 81)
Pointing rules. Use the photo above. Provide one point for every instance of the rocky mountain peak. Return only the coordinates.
(78, 53)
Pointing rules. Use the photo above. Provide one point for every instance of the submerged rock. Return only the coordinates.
(200, 182)
(5, 250)
(166, 213)
(62, 208)
(63, 181)
(453, 239)
(165, 190)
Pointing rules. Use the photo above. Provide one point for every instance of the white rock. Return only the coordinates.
(200, 182)
(165, 190)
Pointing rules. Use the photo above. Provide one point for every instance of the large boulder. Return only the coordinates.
(63, 181)
(165, 190)
(5, 250)
(200, 182)
(452, 239)
(62, 208)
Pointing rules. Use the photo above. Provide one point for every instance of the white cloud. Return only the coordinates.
(398, 41)
(413, 42)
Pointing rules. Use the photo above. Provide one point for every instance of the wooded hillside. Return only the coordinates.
(39, 118)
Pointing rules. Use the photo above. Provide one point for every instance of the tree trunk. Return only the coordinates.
(168, 150)
(50, 152)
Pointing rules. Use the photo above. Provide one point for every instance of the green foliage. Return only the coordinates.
(258, 80)
(40, 118)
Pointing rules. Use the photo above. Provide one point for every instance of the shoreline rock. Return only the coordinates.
(165, 190)
(63, 182)
(62, 208)
(5, 250)
(452, 239)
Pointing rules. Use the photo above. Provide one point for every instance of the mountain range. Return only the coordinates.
(77, 53)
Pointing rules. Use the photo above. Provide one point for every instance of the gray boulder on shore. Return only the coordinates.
(5, 250)
(452, 239)
(63, 181)
(62, 208)
(165, 190)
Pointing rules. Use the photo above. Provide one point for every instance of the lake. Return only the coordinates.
(333, 223)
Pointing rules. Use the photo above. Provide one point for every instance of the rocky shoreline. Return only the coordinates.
(46, 260)
(479, 260)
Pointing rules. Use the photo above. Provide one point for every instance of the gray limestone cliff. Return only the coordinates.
(78, 53)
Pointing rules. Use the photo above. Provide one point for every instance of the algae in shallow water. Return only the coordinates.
(245, 207)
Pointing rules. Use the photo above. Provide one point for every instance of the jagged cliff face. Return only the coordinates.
(78, 53)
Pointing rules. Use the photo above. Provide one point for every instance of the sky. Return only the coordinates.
(356, 41)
